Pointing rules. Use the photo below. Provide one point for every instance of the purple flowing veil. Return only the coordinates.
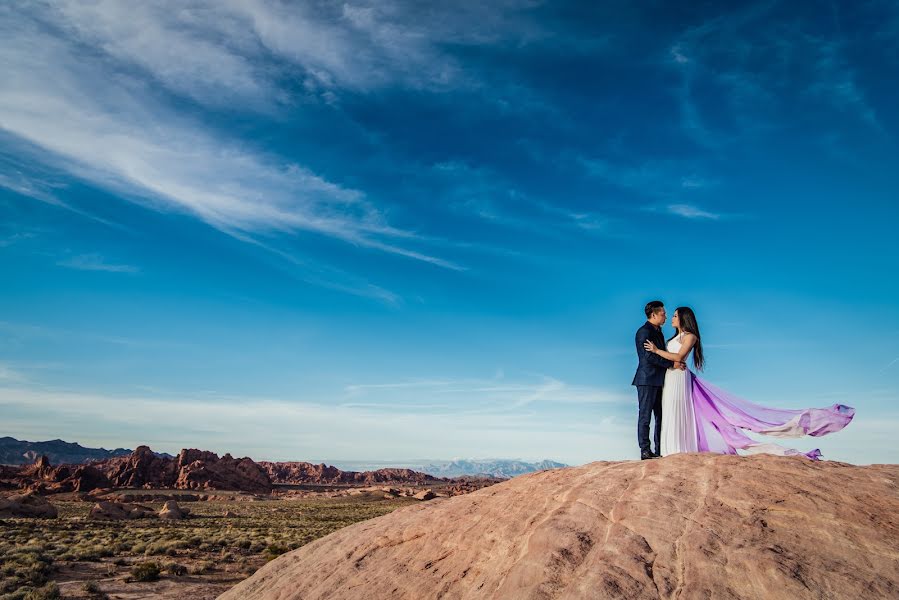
(721, 418)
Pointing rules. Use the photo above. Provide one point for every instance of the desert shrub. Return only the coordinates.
(87, 553)
(47, 592)
(118, 547)
(147, 571)
(206, 566)
(93, 591)
(173, 568)
(9, 584)
(168, 548)
(33, 569)
(274, 551)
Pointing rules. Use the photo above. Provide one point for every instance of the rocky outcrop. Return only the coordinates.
(42, 477)
(172, 511)
(307, 473)
(190, 470)
(142, 468)
(204, 470)
(685, 526)
(88, 478)
(424, 495)
(28, 505)
(120, 511)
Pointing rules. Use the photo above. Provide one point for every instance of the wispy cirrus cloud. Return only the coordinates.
(221, 52)
(125, 140)
(477, 396)
(28, 186)
(482, 193)
(692, 212)
(10, 375)
(741, 75)
(95, 262)
(15, 238)
(656, 178)
(307, 429)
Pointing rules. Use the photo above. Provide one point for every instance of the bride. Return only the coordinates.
(698, 417)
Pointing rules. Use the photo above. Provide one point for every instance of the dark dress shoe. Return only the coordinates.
(656, 455)
(647, 455)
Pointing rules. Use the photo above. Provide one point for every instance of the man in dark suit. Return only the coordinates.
(650, 378)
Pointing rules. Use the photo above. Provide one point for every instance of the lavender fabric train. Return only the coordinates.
(721, 419)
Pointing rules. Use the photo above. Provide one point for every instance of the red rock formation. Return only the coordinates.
(120, 511)
(88, 478)
(307, 473)
(28, 505)
(196, 469)
(142, 468)
(44, 478)
(191, 469)
(685, 526)
(205, 470)
(172, 511)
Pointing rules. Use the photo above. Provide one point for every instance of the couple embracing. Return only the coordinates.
(691, 415)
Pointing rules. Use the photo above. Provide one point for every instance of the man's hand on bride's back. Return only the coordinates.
(680, 365)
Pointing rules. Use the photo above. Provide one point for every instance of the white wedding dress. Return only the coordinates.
(678, 421)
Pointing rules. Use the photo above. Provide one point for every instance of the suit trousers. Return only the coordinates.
(650, 399)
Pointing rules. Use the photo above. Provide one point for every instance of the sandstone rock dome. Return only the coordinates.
(685, 526)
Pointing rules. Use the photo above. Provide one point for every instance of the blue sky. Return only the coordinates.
(387, 231)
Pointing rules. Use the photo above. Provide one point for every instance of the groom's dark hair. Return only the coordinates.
(653, 307)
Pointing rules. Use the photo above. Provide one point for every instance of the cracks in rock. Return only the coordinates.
(358, 562)
(431, 563)
(680, 564)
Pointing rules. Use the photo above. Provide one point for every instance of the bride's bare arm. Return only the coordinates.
(681, 355)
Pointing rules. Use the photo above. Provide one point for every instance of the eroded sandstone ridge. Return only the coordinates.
(686, 526)
(305, 472)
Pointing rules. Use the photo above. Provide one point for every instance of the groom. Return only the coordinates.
(650, 377)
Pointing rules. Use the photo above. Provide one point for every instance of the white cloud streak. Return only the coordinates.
(481, 396)
(765, 70)
(692, 212)
(304, 430)
(76, 101)
(95, 262)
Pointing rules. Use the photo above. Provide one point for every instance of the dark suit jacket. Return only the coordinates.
(651, 367)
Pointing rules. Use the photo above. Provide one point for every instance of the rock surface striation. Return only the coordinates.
(685, 526)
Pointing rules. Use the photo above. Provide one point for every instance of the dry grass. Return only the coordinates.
(207, 546)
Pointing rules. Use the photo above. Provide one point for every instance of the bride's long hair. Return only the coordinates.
(687, 319)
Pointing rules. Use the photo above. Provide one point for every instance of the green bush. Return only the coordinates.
(274, 551)
(148, 571)
(93, 591)
(47, 592)
(206, 566)
(174, 568)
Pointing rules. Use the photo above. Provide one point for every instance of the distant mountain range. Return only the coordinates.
(21, 452)
(488, 467)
